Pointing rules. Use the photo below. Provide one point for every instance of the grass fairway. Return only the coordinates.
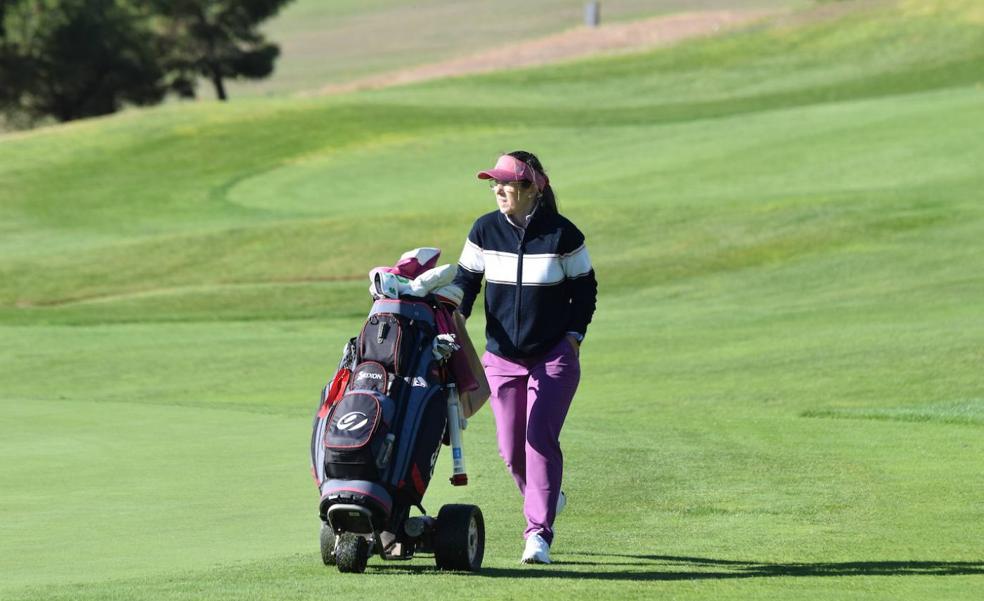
(782, 393)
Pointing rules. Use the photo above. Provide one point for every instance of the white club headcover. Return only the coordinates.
(432, 279)
(384, 284)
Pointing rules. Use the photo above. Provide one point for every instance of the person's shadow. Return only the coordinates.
(670, 567)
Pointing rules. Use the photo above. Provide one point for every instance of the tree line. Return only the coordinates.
(70, 59)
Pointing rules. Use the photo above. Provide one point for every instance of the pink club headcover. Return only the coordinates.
(415, 262)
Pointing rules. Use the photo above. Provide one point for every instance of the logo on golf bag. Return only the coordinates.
(352, 421)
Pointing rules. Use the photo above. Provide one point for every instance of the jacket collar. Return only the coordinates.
(528, 220)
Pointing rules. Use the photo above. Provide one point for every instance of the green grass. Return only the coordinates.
(781, 393)
(962, 411)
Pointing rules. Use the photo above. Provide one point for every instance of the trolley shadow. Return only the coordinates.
(672, 568)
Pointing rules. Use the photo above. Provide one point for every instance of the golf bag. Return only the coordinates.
(380, 422)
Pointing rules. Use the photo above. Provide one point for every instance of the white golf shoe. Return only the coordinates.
(537, 550)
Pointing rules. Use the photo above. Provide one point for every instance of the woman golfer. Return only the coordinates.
(539, 299)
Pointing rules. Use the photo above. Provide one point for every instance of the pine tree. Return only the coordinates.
(218, 39)
(75, 58)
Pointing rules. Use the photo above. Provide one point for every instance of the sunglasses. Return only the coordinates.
(493, 183)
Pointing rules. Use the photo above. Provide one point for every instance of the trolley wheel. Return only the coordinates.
(351, 553)
(459, 541)
(328, 540)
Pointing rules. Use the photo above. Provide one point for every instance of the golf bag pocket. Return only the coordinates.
(388, 339)
(358, 442)
(423, 456)
(369, 375)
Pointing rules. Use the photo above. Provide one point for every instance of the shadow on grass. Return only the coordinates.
(669, 567)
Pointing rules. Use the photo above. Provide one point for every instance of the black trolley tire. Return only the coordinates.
(351, 553)
(328, 541)
(459, 540)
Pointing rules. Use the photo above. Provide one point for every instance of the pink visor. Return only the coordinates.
(510, 169)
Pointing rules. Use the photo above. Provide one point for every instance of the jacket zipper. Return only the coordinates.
(519, 285)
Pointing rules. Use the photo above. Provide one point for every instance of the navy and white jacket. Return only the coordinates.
(539, 282)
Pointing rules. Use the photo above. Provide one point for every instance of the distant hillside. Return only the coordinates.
(330, 43)
(184, 196)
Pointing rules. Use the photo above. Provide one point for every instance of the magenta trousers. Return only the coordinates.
(530, 399)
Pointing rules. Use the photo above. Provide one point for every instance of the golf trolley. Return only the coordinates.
(377, 434)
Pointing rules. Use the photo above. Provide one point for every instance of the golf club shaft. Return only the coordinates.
(459, 477)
